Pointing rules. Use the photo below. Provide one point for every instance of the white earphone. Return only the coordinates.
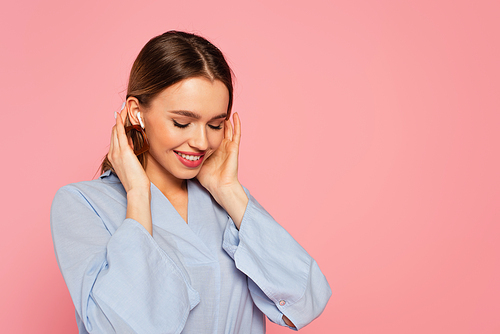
(140, 119)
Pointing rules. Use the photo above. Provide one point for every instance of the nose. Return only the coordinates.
(199, 139)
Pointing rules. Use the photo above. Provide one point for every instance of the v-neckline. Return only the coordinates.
(179, 216)
(166, 217)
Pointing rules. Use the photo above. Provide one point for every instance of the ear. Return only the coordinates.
(132, 106)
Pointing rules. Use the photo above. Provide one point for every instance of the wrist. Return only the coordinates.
(234, 200)
(226, 192)
(139, 194)
(139, 207)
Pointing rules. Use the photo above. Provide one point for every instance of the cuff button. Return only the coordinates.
(282, 302)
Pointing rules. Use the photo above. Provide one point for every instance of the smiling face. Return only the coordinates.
(184, 125)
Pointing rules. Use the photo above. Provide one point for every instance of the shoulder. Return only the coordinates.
(101, 202)
(102, 189)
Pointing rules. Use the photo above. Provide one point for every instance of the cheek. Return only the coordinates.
(214, 142)
(216, 139)
(165, 139)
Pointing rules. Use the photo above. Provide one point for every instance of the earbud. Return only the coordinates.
(140, 119)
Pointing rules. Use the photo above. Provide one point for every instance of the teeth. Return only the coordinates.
(189, 157)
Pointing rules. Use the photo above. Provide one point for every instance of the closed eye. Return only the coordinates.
(179, 125)
(218, 127)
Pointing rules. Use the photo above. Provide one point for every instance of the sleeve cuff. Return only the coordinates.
(231, 238)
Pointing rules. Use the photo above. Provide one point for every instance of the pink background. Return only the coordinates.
(371, 133)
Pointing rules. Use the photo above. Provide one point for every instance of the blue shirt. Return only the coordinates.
(202, 277)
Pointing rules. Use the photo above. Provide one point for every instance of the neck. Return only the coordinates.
(168, 184)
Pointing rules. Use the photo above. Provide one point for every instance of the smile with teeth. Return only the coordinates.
(189, 157)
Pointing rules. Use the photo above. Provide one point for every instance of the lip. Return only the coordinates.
(190, 153)
(189, 163)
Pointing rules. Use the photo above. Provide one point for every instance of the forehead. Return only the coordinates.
(199, 95)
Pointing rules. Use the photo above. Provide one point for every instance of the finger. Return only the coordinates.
(111, 140)
(226, 129)
(124, 114)
(230, 130)
(113, 145)
(114, 132)
(120, 131)
(237, 128)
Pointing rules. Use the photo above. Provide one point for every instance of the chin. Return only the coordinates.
(183, 173)
(187, 175)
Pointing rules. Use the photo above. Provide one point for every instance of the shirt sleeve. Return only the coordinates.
(121, 282)
(283, 278)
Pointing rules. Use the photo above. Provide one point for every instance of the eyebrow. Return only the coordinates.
(194, 115)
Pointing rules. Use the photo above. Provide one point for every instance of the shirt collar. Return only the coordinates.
(105, 174)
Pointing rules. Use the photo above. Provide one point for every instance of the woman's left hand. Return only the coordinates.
(220, 170)
(219, 173)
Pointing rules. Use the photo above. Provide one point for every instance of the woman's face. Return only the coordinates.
(185, 125)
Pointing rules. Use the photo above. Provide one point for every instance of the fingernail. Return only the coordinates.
(116, 114)
(123, 105)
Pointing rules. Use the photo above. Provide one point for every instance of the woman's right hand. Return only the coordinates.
(122, 157)
(131, 174)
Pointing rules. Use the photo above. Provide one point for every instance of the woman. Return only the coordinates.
(167, 240)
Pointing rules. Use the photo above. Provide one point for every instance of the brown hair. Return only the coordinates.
(165, 60)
